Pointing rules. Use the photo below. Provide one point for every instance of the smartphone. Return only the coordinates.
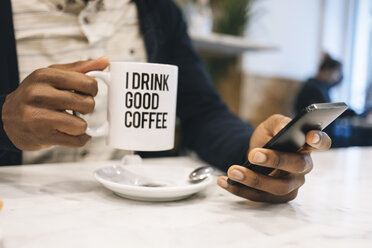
(291, 138)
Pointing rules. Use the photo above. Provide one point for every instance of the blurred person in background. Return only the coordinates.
(317, 90)
(39, 84)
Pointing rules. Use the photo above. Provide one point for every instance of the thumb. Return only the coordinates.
(98, 64)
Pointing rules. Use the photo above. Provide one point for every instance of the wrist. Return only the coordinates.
(5, 142)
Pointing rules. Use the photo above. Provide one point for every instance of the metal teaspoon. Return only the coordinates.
(200, 174)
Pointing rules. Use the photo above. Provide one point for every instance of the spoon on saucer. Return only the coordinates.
(200, 174)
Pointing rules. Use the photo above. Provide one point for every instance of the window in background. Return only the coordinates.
(368, 104)
(346, 35)
(360, 59)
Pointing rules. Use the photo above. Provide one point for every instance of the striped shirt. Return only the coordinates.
(63, 31)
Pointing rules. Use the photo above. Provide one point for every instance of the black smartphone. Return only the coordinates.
(291, 138)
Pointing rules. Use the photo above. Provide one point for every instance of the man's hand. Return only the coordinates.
(34, 115)
(291, 167)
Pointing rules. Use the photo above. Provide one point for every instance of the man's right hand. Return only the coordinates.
(34, 115)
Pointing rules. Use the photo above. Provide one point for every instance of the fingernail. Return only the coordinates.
(316, 138)
(259, 157)
(237, 175)
(221, 182)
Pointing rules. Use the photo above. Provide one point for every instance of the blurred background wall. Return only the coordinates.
(300, 31)
(273, 77)
(295, 27)
(303, 31)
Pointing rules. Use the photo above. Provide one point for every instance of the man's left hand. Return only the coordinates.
(291, 168)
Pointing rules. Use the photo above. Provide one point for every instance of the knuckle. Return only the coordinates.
(302, 181)
(25, 114)
(281, 190)
(307, 164)
(51, 132)
(276, 116)
(276, 122)
(83, 104)
(83, 126)
(92, 86)
(276, 160)
(302, 165)
(82, 140)
(36, 96)
(90, 104)
(40, 74)
(255, 196)
(77, 64)
(54, 66)
(329, 144)
(72, 66)
(273, 118)
(237, 190)
(78, 141)
(325, 140)
(32, 115)
(292, 195)
(80, 127)
(254, 180)
(69, 66)
(247, 193)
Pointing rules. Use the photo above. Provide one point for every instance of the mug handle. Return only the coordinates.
(103, 129)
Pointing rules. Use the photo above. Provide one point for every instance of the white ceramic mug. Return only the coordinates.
(141, 106)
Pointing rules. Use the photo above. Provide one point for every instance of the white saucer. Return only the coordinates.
(171, 181)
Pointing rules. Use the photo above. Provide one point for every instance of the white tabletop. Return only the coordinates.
(61, 205)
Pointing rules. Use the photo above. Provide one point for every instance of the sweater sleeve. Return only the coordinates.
(217, 135)
(9, 154)
(5, 143)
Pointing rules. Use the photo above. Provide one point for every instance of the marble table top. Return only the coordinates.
(61, 205)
